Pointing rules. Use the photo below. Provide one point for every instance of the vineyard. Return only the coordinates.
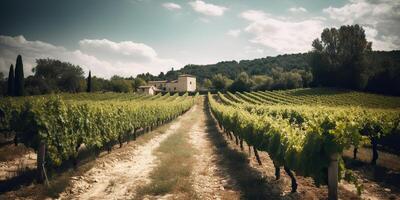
(57, 125)
(220, 146)
(307, 130)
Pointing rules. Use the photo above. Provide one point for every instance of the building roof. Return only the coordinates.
(146, 86)
(164, 81)
(186, 75)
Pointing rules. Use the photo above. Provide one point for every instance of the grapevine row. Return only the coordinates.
(62, 126)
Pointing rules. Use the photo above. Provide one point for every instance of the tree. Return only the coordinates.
(207, 83)
(120, 84)
(221, 82)
(101, 84)
(262, 82)
(242, 83)
(161, 76)
(36, 86)
(89, 82)
(340, 57)
(307, 77)
(147, 77)
(19, 77)
(11, 82)
(59, 76)
(138, 82)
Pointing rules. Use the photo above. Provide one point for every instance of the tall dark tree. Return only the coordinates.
(340, 57)
(10, 86)
(89, 82)
(19, 77)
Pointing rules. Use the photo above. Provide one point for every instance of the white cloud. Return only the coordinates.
(207, 8)
(254, 15)
(253, 50)
(104, 57)
(384, 43)
(234, 32)
(282, 35)
(171, 6)
(125, 50)
(298, 10)
(380, 19)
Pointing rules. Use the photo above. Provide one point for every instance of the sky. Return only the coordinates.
(128, 37)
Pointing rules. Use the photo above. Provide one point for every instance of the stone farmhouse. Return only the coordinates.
(185, 83)
(147, 89)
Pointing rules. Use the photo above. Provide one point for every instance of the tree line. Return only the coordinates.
(15, 81)
(54, 76)
(344, 58)
(340, 58)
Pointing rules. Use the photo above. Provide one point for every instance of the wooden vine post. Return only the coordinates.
(333, 177)
(41, 170)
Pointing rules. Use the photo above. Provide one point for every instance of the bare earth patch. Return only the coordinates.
(209, 180)
(15, 159)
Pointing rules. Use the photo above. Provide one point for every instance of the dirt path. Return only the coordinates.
(209, 180)
(118, 177)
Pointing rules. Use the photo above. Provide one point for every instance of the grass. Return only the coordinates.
(173, 173)
(61, 181)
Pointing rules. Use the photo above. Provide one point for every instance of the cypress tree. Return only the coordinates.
(10, 88)
(19, 77)
(89, 82)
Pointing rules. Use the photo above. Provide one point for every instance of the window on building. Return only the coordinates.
(190, 82)
(174, 88)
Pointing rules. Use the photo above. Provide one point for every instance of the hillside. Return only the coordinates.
(380, 61)
(231, 69)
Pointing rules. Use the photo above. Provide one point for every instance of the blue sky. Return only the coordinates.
(128, 37)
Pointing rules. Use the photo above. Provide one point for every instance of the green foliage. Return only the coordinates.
(287, 80)
(64, 122)
(339, 58)
(242, 83)
(118, 84)
(57, 76)
(261, 66)
(148, 77)
(303, 128)
(11, 82)
(19, 77)
(138, 82)
(207, 83)
(100, 84)
(221, 82)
